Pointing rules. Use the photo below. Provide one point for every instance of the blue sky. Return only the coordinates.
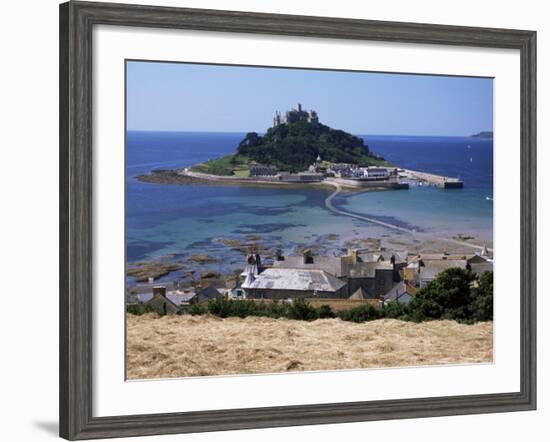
(188, 97)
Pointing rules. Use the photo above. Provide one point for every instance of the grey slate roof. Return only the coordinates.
(384, 255)
(209, 293)
(329, 264)
(398, 293)
(433, 267)
(358, 294)
(178, 298)
(340, 266)
(295, 279)
(480, 267)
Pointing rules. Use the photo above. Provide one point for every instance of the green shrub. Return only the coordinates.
(135, 309)
(325, 312)
(366, 312)
(302, 310)
(395, 310)
(139, 309)
(220, 307)
(197, 309)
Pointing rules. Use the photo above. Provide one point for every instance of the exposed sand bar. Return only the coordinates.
(338, 189)
(180, 346)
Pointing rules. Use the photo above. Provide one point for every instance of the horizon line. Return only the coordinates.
(263, 132)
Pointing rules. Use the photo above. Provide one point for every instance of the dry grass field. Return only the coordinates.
(179, 346)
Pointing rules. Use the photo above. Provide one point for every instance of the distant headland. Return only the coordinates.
(483, 134)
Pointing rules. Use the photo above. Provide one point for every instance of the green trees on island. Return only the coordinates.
(295, 146)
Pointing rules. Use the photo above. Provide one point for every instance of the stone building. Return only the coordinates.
(294, 115)
(262, 170)
(375, 273)
(422, 269)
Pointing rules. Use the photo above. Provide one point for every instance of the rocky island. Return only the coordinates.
(297, 149)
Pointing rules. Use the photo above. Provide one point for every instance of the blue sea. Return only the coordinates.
(175, 221)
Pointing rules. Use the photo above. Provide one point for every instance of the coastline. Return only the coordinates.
(175, 176)
(184, 177)
(389, 232)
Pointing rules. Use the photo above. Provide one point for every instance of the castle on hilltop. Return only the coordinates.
(296, 114)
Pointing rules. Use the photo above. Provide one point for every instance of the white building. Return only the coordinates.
(376, 172)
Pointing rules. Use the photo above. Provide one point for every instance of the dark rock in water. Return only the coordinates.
(301, 248)
(230, 242)
(253, 238)
(363, 243)
(462, 237)
(142, 271)
(210, 275)
(200, 258)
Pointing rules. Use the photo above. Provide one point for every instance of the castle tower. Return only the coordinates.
(277, 119)
(299, 107)
(312, 117)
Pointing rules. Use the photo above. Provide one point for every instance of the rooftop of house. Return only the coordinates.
(364, 264)
(480, 267)
(294, 279)
(367, 269)
(449, 256)
(358, 294)
(432, 268)
(176, 296)
(398, 293)
(383, 255)
(209, 293)
(329, 264)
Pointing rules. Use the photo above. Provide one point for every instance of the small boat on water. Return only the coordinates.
(488, 198)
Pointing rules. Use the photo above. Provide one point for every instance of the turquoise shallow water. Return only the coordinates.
(177, 220)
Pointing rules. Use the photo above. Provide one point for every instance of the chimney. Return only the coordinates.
(159, 290)
(352, 253)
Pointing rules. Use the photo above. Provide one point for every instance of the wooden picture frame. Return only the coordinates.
(76, 164)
